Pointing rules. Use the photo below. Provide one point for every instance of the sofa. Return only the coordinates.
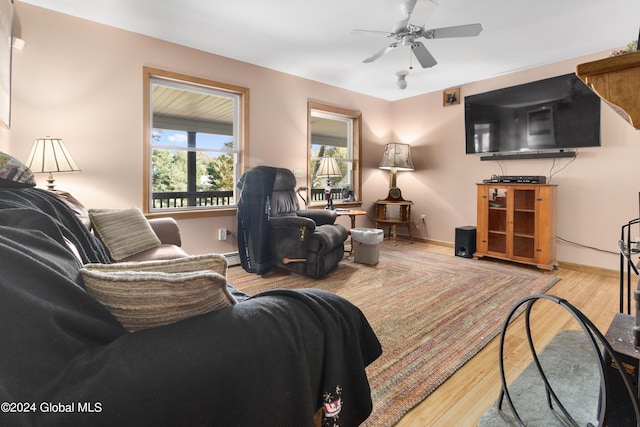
(169, 245)
(70, 355)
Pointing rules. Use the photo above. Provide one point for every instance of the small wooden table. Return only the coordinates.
(404, 218)
(352, 213)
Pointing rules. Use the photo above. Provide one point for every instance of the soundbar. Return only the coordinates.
(516, 179)
(529, 155)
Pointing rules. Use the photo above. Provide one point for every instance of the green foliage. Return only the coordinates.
(631, 47)
(169, 171)
(220, 171)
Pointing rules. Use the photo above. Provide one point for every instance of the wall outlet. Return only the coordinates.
(423, 218)
(222, 234)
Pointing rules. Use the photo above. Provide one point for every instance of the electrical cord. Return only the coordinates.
(586, 246)
(553, 165)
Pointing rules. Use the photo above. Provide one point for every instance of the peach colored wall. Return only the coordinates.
(597, 193)
(82, 82)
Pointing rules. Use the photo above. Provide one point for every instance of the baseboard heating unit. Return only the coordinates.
(233, 258)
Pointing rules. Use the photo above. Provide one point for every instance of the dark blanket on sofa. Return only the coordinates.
(271, 360)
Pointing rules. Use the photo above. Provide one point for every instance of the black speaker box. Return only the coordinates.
(465, 241)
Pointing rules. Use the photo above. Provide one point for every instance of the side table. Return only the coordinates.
(352, 213)
(383, 218)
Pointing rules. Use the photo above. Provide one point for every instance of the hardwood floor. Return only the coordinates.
(465, 396)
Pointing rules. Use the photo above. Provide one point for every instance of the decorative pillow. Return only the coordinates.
(214, 262)
(14, 173)
(123, 232)
(154, 293)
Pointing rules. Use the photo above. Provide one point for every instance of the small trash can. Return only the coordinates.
(365, 242)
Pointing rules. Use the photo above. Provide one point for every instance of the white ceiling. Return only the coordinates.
(312, 39)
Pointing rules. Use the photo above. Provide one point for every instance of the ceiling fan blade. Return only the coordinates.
(407, 9)
(469, 30)
(400, 26)
(423, 56)
(423, 11)
(381, 53)
(373, 32)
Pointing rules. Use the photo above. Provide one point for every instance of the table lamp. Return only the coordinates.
(50, 155)
(328, 168)
(396, 157)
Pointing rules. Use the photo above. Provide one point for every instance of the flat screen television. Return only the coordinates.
(558, 113)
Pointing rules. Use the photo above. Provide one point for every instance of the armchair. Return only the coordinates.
(273, 231)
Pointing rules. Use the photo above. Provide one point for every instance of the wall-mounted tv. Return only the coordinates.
(549, 115)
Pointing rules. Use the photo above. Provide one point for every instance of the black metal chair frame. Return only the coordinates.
(624, 245)
(594, 335)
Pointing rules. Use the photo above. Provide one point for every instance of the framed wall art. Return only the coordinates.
(451, 97)
(6, 24)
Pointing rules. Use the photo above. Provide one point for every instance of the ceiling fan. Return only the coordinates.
(407, 35)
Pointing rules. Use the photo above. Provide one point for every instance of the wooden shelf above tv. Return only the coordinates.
(616, 80)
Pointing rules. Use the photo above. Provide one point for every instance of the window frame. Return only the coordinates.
(149, 76)
(355, 127)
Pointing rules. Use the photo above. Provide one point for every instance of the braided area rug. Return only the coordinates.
(431, 312)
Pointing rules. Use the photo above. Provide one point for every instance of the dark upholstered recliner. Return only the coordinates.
(304, 241)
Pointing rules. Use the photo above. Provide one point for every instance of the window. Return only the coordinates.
(334, 132)
(194, 140)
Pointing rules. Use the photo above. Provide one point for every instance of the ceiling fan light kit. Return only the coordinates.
(402, 79)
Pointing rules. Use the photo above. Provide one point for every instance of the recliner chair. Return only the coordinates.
(273, 231)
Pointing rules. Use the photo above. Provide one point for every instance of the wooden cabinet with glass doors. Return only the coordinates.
(517, 222)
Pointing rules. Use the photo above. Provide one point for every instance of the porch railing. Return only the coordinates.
(184, 199)
(317, 194)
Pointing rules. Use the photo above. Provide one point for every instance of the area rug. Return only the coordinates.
(431, 312)
(570, 365)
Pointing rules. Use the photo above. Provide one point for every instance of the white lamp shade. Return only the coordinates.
(397, 156)
(329, 167)
(50, 155)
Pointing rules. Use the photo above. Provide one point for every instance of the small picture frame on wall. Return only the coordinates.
(451, 97)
